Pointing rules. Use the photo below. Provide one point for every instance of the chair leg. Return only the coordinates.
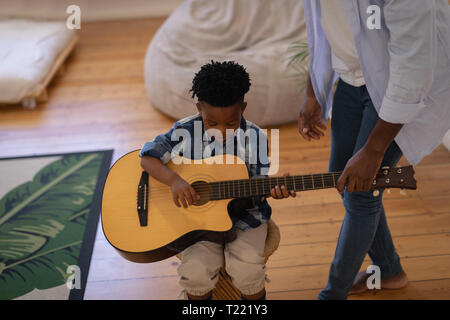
(225, 290)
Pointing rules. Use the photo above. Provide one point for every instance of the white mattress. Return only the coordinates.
(28, 49)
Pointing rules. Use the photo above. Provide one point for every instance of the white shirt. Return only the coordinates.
(405, 63)
(344, 59)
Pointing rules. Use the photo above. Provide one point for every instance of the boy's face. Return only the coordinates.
(221, 118)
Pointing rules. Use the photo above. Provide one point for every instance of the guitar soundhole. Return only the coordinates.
(204, 190)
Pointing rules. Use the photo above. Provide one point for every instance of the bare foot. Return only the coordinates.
(396, 282)
(360, 283)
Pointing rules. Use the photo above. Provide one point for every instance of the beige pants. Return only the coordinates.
(244, 263)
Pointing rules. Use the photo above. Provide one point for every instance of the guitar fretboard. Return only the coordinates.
(231, 189)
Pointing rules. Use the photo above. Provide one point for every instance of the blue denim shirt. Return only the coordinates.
(245, 214)
(405, 63)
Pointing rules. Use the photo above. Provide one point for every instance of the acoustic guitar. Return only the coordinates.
(140, 220)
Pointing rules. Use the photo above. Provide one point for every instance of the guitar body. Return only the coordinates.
(170, 229)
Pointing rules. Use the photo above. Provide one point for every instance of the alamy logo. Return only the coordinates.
(374, 281)
(251, 145)
(74, 279)
(74, 20)
(374, 20)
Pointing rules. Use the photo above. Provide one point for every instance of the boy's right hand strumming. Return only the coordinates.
(183, 192)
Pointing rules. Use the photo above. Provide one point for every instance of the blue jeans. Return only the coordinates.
(364, 229)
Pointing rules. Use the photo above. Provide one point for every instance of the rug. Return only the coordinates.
(49, 212)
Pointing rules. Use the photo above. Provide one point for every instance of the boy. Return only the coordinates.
(220, 88)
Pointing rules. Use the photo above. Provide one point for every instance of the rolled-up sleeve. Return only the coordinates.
(412, 54)
(160, 147)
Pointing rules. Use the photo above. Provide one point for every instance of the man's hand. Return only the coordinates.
(360, 171)
(362, 168)
(310, 116)
(310, 120)
(183, 192)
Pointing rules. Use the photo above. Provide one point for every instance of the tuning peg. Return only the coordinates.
(376, 193)
(403, 192)
(385, 170)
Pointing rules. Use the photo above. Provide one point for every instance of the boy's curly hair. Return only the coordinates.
(221, 84)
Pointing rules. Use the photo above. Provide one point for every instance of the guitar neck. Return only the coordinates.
(262, 186)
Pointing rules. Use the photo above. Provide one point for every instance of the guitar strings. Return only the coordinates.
(229, 189)
(262, 183)
(257, 183)
(234, 187)
(230, 186)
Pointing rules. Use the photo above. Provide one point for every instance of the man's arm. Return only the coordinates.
(412, 56)
(412, 49)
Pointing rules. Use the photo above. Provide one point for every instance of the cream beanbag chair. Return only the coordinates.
(254, 33)
(30, 53)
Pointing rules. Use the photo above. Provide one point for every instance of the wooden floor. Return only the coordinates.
(101, 103)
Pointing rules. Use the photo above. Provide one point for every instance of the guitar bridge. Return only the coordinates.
(142, 199)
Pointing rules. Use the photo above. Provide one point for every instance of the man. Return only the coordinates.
(392, 58)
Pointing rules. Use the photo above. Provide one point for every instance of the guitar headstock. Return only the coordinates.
(399, 177)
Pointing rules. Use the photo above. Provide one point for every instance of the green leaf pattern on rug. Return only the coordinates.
(42, 224)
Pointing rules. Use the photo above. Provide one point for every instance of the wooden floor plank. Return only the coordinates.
(416, 290)
(165, 288)
(315, 276)
(283, 282)
(323, 252)
(305, 255)
(399, 226)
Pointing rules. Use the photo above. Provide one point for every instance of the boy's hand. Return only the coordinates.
(183, 192)
(282, 192)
